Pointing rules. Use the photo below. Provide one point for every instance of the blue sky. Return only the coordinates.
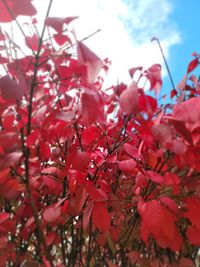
(186, 15)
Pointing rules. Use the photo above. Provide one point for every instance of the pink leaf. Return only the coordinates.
(155, 177)
(188, 111)
(9, 160)
(132, 151)
(58, 23)
(181, 85)
(67, 116)
(62, 39)
(32, 42)
(154, 76)
(93, 62)
(170, 203)
(129, 99)
(9, 141)
(10, 89)
(132, 71)
(195, 81)
(162, 133)
(22, 7)
(52, 214)
(127, 165)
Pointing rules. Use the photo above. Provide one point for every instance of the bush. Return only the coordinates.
(93, 177)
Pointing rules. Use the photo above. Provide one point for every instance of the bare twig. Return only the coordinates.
(165, 60)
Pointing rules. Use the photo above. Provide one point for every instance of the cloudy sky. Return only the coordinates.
(126, 29)
(127, 26)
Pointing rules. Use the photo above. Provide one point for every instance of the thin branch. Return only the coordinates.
(35, 71)
(27, 152)
(89, 244)
(166, 64)
(78, 136)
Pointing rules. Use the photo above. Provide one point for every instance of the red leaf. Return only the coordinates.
(192, 65)
(96, 194)
(186, 262)
(52, 214)
(45, 151)
(58, 23)
(80, 161)
(188, 111)
(87, 215)
(193, 206)
(9, 141)
(147, 103)
(160, 223)
(89, 108)
(32, 138)
(127, 165)
(154, 211)
(129, 99)
(50, 238)
(80, 199)
(77, 202)
(4, 216)
(100, 217)
(89, 135)
(52, 186)
(93, 62)
(173, 93)
(193, 235)
(10, 89)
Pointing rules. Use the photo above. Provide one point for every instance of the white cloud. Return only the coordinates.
(126, 29)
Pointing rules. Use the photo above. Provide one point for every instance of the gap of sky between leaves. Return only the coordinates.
(127, 27)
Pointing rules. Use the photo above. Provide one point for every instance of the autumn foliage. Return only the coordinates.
(92, 176)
